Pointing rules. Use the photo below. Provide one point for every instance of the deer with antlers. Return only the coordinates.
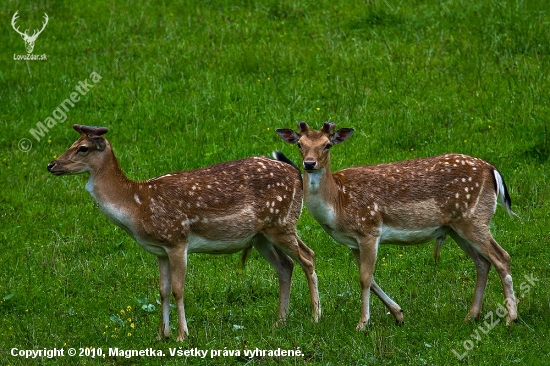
(29, 40)
(221, 209)
(409, 202)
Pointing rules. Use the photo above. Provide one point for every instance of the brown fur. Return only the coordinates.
(408, 202)
(220, 209)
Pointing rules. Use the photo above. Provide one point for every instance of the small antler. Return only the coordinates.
(90, 130)
(328, 127)
(303, 127)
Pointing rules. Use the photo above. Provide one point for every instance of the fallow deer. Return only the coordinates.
(221, 209)
(409, 202)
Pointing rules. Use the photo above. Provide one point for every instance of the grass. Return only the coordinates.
(185, 85)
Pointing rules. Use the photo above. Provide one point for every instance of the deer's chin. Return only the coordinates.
(67, 172)
(58, 173)
(313, 169)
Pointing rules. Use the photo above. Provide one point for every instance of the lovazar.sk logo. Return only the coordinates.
(29, 40)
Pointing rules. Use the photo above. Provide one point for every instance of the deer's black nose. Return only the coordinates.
(51, 165)
(309, 165)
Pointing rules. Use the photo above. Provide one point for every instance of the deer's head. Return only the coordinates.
(315, 145)
(85, 154)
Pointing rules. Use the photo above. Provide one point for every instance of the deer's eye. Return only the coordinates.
(299, 145)
(327, 146)
(82, 149)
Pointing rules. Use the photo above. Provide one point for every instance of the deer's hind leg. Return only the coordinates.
(485, 251)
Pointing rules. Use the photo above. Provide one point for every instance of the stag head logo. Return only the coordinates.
(29, 40)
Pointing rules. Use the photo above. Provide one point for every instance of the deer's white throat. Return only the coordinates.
(116, 214)
(314, 179)
(317, 205)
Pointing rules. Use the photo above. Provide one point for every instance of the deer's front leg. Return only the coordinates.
(178, 270)
(392, 306)
(368, 248)
(165, 286)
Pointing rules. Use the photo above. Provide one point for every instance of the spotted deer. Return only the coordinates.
(409, 202)
(221, 209)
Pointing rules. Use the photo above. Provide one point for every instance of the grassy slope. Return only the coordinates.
(209, 81)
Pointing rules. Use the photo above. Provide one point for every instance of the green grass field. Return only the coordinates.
(187, 85)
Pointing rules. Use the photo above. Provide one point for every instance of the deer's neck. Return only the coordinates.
(113, 191)
(321, 195)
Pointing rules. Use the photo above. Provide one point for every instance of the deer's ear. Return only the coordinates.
(341, 135)
(288, 135)
(99, 142)
(94, 134)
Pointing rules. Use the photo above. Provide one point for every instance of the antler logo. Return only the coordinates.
(29, 40)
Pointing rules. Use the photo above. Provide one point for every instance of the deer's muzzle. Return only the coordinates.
(309, 164)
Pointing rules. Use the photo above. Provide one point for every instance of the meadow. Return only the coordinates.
(183, 85)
